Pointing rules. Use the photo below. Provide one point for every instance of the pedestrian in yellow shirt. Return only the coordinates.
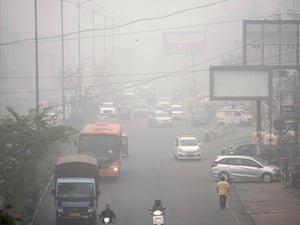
(223, 191)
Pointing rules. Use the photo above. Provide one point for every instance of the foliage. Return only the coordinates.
(7, 217)
(23, 142)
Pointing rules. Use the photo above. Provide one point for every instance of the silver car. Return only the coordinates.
(243, 167)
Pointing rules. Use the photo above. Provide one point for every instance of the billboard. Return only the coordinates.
(239, 83)
(271, 42)
(184, 42)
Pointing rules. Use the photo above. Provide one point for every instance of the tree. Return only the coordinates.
(8, 217)
(23, 142)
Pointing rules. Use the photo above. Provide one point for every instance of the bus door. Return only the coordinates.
(124, 146)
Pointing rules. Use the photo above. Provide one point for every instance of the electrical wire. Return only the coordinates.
(150, 31)
(120, 25)
(101, 85)
(135, 74)
(171, 74)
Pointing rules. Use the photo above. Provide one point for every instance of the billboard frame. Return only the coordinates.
(263, 24)
(212, 96)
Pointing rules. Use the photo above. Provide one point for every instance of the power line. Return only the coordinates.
(183, 69)
(120, 25)
(162, 75)
(171, 74)
(151, 30)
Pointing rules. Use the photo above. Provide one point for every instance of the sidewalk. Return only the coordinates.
(270, 203)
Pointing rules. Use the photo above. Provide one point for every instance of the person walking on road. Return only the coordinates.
(223, 191)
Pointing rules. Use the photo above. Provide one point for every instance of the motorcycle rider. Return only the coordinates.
(107, 212)
(157, 205)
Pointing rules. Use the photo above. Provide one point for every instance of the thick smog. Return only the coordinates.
(142, 112)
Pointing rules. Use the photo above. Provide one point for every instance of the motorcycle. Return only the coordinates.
(158, 216)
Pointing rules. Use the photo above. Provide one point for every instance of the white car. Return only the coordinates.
(159, 118)
(187, 147)
(108, 109)
(177, 112)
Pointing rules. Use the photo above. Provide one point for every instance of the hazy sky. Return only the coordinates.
(127, 49)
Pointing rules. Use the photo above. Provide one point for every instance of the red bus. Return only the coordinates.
(104, 141)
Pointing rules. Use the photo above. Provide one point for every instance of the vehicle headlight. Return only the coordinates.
(60, 209)
(115, 169)
(90, 209)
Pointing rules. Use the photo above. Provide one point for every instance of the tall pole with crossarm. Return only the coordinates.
(37, 107)
(62, 60)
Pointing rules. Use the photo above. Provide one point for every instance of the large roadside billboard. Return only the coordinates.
(184, 42)
(235, 83)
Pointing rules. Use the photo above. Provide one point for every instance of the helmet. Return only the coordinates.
(157, 202)
(107, 205)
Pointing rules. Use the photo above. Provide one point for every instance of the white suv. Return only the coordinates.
(243, 167)
(187, 147)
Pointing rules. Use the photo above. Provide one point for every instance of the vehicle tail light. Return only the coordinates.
(214, 164)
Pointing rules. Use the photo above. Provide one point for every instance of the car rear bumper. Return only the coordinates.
(189, 155)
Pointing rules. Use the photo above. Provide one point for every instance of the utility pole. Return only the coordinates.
(94, 45)
(79, 53)
(1, 108)
(104, 41)
(0, 40)
(37, 101)
(62, 59)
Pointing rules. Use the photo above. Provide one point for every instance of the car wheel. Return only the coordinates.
(267, 178)
(225, 175)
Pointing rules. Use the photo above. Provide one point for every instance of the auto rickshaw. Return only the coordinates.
(124, 112)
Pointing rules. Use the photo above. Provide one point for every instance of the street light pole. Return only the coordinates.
(0, 42)
(104, 42)
(62, 59)
(94, 41)
(37, 108)
(94, 60)
(79, 53)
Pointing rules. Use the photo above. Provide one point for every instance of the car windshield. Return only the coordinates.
(104, 147)
(161, 114)
(188, 142)
(177, 108)
(198, 110)
(75, 190)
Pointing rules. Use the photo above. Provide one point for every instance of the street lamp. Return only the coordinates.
(62, 60)
(79, 4)
(94, 45)
(37, 104)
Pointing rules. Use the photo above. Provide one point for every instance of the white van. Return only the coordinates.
(233, 116)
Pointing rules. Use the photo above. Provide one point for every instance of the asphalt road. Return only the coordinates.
(151, 172)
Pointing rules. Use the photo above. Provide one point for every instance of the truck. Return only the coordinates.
(76, 190)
